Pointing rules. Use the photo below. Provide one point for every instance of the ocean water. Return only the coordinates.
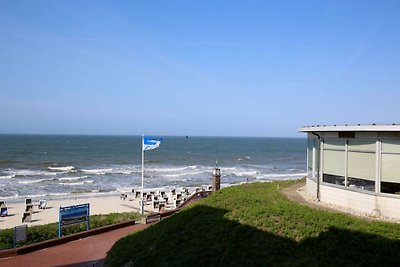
(57, 166)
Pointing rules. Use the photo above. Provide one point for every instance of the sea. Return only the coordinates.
(57, 166)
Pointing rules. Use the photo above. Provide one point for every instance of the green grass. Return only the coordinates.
(45, 232)
(255, 225)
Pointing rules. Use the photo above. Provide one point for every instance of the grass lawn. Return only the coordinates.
(255, 225)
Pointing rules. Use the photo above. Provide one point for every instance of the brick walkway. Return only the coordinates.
(89, 251)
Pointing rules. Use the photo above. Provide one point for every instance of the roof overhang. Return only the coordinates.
(351, 128)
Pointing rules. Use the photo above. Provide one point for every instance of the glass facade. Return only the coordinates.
(353, 163)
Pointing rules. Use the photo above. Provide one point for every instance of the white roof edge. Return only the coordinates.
(351, 128)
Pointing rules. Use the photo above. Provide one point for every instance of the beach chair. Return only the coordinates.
(27, 217)
(42, 204)
(155, 204)
(161, 207)
(3, 211)
(29, 208)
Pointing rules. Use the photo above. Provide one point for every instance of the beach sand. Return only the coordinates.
(98, 205)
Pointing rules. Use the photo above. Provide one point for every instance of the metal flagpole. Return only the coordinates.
(142, 200)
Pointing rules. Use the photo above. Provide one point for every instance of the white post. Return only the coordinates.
(141, 198)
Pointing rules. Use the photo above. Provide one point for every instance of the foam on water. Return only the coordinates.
(7, 177)
(63, 169)
(72, 178)
(26, 172)
(33, 181)
(78, 183)
(98, 171)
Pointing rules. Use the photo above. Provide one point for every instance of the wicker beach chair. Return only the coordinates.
(42, 204)
(27, 217)
(3, 211)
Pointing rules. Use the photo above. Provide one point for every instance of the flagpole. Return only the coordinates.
(142, 204)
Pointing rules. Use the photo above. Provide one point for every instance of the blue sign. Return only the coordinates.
(72, 215)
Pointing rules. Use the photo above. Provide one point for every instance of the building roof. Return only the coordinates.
(352, 128)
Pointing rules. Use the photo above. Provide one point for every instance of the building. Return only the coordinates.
(357, 167)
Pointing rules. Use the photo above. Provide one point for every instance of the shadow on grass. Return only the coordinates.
(203, 236)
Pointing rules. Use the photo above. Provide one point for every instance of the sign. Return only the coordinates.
(72, 215)
(20, 234)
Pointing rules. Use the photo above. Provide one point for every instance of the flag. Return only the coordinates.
(150, 143)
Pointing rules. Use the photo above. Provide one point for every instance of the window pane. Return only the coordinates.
(334, 162)
(333, 179)
(361, 145)
(390, 168)
(361, 165)
(391, 188)
(361, 184)
(334, 144)
(390, 146)
(310, 155)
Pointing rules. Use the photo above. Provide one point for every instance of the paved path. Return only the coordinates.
(89, 251)
(292, 194)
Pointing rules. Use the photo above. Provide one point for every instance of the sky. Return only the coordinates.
(200, 68)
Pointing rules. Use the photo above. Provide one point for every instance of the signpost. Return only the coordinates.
(20, 234)
(72, 215)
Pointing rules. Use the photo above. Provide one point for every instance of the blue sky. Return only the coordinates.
(215, 68)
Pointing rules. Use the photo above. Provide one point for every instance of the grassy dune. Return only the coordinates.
(254, 224)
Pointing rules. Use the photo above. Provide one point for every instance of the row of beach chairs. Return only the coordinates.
(161, 199)
(27, 215)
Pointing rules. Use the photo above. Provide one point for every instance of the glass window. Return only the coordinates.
(361, 145)
(312, 158)
(391, 168)
(391, 146)
(334, 145)
(334, 162)
(390, 173)
(361, 165)
(361, 161)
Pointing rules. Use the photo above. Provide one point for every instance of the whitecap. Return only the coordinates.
(23, 172)
(78, 183)
(98, 171)
(183, 174)
(32, 181)
(7, 177)
(72, 178)
(64, 169)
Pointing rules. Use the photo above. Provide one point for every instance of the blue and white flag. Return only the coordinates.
(150, 143)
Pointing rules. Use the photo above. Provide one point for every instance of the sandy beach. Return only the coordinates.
(98, 205)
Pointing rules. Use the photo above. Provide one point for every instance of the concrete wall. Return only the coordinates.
(387, 206)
